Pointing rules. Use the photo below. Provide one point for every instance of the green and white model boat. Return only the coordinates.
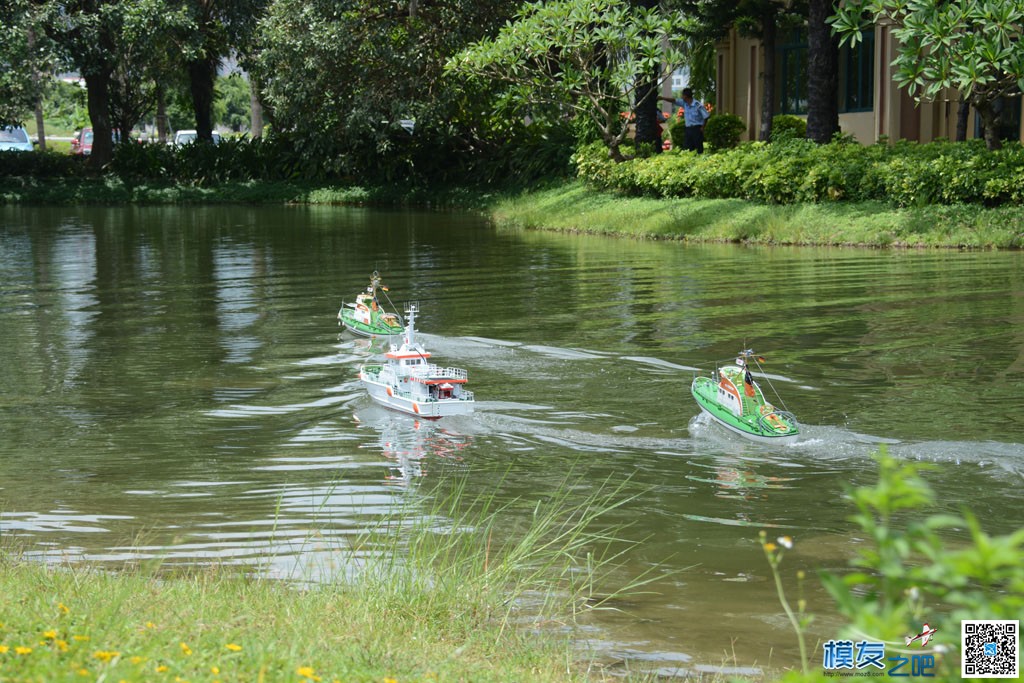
(733, 399)
(366, 315)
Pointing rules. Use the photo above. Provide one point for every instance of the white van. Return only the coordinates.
(183, 137)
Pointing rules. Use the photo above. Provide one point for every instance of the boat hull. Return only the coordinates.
(350, 323)
(771, 426)
(430, 409)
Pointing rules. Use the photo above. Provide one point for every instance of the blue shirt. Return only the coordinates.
(694, 113)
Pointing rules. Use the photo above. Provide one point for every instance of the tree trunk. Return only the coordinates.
(822, 73)
(161, 114)
(255, 110)
(97, 88)
(989, 123)
(40, 127)
(769, 35)
(648, 132)
(962, 113)
(201, 77)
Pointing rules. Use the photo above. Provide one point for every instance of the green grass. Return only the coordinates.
(457, 592)
(575, 208)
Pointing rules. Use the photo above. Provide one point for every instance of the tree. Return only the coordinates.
(822, 73)
(24, 53)
(340, 76)
(648, 128)
(973, 46)
(148, 59)
(579, 56)
(86, 32)
(217, 28)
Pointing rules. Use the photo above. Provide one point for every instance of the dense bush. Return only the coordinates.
(792, 170)
(38, 164)
(788, 127)
(723, 131)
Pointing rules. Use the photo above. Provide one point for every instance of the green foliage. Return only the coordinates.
(38, 164)
(584, 56)
(723, 131)
(973, 46)
(788, 127)
(677, 132)
(341, 79)
(232, 105)
(914, 566)
(793, 170)
(17, 91)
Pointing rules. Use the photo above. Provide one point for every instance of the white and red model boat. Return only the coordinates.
(409, 382)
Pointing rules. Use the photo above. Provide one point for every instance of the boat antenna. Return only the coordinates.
(757, 361)
(384, 291)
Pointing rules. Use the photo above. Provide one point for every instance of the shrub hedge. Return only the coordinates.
(723, 131)
(793, 170)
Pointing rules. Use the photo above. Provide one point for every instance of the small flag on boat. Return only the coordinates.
(748, 384)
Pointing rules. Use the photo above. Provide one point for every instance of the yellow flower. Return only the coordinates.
(307, 672)
(150, 624)
(105, 655)
(137, 659)
(185, 649)
(62, 645)
(3, 649)
(390, 680)
(81, 638)
(50, 635)
(83, 672)
(770, 547)
(22, 650)
(161, 668)
(233, 647)
(215, 669)
(63, 608)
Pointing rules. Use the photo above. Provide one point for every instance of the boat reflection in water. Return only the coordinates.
(412, 446)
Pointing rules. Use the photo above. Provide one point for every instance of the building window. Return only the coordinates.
(792, 67)
(857, 78)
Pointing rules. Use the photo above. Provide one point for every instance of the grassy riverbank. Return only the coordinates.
(110, 190)
(573, 207)
(85, 624)
(477, 603)
(576, 208)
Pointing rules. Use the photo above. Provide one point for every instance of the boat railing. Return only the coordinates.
(447, 373)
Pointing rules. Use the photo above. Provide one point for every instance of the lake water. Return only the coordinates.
(175, 385)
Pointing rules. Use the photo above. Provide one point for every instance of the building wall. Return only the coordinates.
(894, 113)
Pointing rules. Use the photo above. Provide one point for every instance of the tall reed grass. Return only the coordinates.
(457, 590)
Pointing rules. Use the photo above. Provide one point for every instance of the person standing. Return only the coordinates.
(694, 117)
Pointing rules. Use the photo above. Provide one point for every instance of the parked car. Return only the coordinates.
(184, 137)
(15, 139)
(82, 142)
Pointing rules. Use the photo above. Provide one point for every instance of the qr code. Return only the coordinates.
(991, 649)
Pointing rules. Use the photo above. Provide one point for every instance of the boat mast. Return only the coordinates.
(410, 329)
